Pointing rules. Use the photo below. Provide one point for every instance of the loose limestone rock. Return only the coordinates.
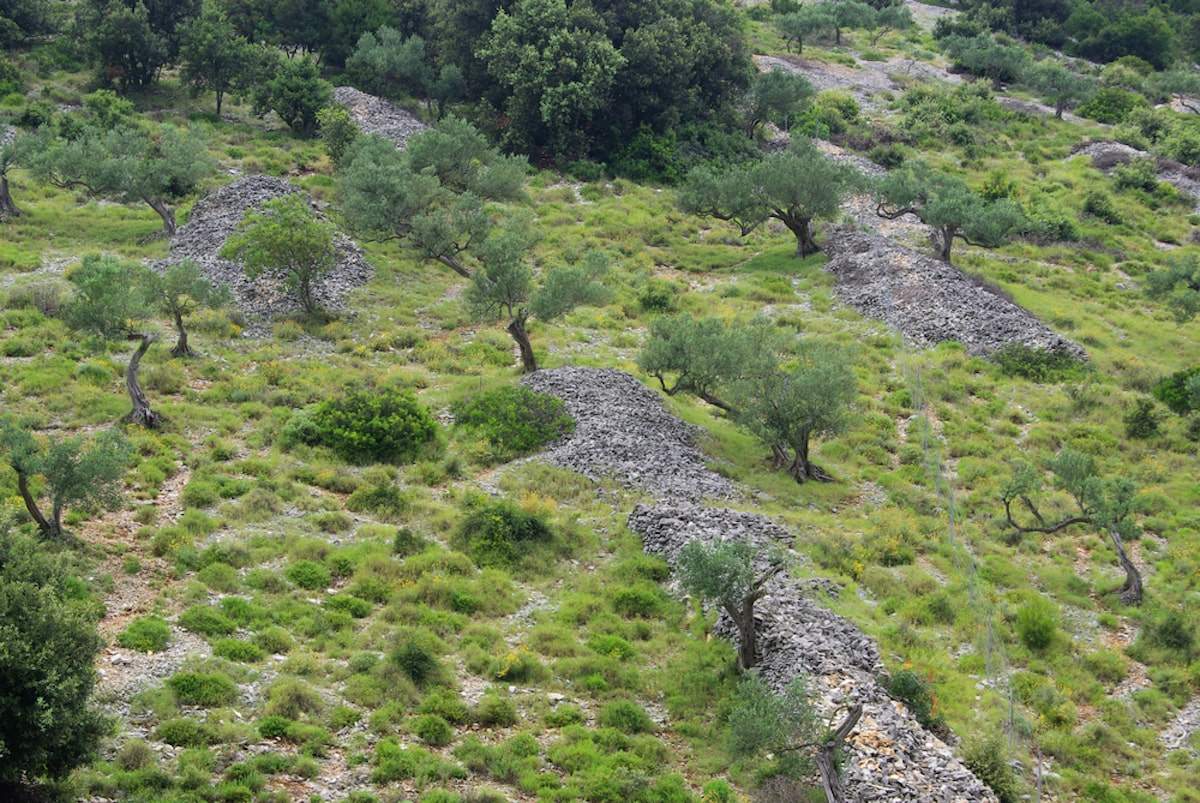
(378, 116)
(622, 431)
(1106, 155)
(213, 220)
(890, 756)
(930, 301)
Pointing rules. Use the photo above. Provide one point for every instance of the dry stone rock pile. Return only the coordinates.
(622, 430)
(213, 220)
(929, 300)
(377, 116)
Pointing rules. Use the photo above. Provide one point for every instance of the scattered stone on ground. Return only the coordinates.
(1186, 722)
(378, 116)
(928, 300)
(7, 134)
(622, 431)
(890, 756)
(215, 217)
(1106, 155)
(872, 83)
(926, 15)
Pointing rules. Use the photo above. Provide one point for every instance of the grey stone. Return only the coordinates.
(377, 116)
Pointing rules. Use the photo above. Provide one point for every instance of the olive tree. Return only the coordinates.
(787, 725)
(214, 56)
(705, 356)
(947, 205)
(892, 17)
(503, 287)
(803, 24)
(178, 291)
(127, 164)
(48, 649)
(12, 155)
(69, 471)
(1059, 85)
(794, 186)
(725, 575)
(848, 14)
(286, 236)
(808, 398)
(775, 97)
(431, 195)
(1103, 503)
(293, 89)
(111, 302)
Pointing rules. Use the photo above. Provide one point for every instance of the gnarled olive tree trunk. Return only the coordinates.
(831, 779)
(516, 328)
(51, 528)
(1131, 591)
(8, 209)
(165, 212)
(141, 414)
(181, 348)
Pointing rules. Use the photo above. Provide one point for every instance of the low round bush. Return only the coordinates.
(432, 730)
(514, 420)
(1179, 391)
(384, 425)
(626, 716)
(233, 649)
(146, 634)
(202, 688)
(1037, 622)
(498, 533)
(309, 574)
(183, 732)
(207, 621)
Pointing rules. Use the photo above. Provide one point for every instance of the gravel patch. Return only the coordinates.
(622, 431)
(890, 756)
(213, 220)
(871, 83)
(1186, 722)
(124, 673)
(928, 300)
(378, 116)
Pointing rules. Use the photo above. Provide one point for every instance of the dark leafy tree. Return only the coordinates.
(776, 97)
(296, 92)
(48, 649)
(809, 398)
(21, 19)
(432, 194)
(348, 20)
(338, 132)
(178, 291)
(725, 575)
(794, 187)
(503, 287)
(848, 14)
(215, 57)
(286, 236)
(947, 205)
(111, 302)
(390, 64)
(1103, 503)
(983, 55)
(70, 472)
(788, 726)
(892, 17)
(127, 164)
(705, 356)
(126, 47)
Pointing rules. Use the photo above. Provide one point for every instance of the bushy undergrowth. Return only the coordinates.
(380, 425)
(514, 420)
(500, 533)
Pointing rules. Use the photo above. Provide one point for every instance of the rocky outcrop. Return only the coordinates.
(930, 301)
(377, 116)
(623, 431)
(215, 217)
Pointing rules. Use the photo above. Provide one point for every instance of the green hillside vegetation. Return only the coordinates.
(314, 529)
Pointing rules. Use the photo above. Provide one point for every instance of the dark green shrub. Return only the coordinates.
(202, 688)
(1111, 104)
(273, 726)
(146, 634)
(416, 657)
(499, 533)
(387, 501)
(911, 689)
(642, 600)
(48, 646)
(1176, 391)
(564, 714)
(291, 697)
(364, 426)
(432, 730)
(1037, 623)
(447, 705)
(626, 716)
(988, 759)
(274, 639)
(1037, 365)
(408, 543)
(396, 763)
(514, 420)
(1172, 631)
(1142, 421)
(237, 650)
(658, 295)
(356, 607)
(1100, 205)
(1138, 174)
(309, 574)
